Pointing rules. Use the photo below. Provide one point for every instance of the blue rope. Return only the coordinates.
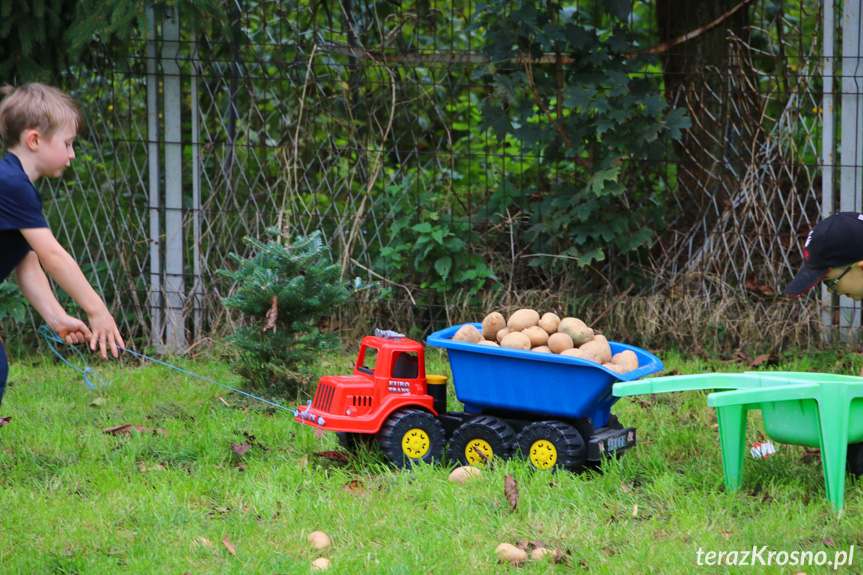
(51, 336)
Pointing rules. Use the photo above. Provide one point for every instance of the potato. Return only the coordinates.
(493, 323)
(522, 319)
(560, 342)
(320, 564)
(549, 322)
(541, 349)
(541, 553)
(501, 334)
(467, 333)
(537, 335)
(509, 552)
(599, 347)
(626, 359)
(489, 342)
(319, 540)
(515, 340)
(576, 329)
(614, 367)
(465, 473)
(576, 352)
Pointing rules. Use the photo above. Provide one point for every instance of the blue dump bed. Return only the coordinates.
(488, 377)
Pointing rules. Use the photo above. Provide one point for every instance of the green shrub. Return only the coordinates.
(282, 292)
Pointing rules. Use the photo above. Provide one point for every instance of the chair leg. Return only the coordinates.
(732, 437)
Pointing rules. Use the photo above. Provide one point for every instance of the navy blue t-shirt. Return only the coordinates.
(20, 208)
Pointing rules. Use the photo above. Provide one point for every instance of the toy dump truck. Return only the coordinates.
(554, 410)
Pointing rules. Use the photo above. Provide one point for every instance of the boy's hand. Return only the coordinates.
(105, 334)
(71, 329)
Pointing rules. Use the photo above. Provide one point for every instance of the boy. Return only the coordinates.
(38, 125)
(833, 254)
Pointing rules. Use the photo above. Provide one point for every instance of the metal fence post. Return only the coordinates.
(175, 334)
(155, 191)
(851, 151)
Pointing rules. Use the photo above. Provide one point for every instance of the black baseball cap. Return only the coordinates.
(836, 240)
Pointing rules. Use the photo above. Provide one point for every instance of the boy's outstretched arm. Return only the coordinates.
(33, 283)
(62, 267)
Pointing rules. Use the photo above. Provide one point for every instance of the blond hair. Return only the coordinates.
(35, 107)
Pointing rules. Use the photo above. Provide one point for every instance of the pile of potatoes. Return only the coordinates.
(526, 330)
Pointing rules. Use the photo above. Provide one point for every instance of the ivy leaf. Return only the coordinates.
(618, 8)
(443, 266)
(423, 228)
(597, 182)
(678, 121)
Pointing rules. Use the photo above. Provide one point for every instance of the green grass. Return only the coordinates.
(76, 500)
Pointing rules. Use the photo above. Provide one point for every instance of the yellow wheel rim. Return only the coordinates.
(472, 456)
(416, 443)
(543, 454)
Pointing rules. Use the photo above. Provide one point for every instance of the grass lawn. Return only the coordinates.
(74, 499)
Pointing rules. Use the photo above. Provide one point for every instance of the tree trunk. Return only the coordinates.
(709, 76)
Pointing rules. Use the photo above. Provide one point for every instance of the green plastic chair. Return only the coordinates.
(808, 409)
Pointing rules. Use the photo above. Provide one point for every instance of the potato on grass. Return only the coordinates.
(467, 333)
(509, 552)
(465, 473)
(522, 319)
(491, 324)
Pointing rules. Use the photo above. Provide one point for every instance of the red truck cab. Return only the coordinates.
(389, 374)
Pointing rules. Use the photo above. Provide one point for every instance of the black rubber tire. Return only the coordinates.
(855, 459)
(430, 440)
(564, 440)
(494, 431)
(353, 441)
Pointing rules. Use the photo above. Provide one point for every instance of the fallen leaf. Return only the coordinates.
(355, 486)
(4, 421)
(337, 456)
(128, 428)
(272, 315)
(742, 356)
(510, 491)
(223, 401)
(625, 487)
(635, 510)
(481, 454)
(98, 402)
(726, 534)
(765, 359)
(320, 433)
(201, 542)
(828, 542)
(240, 448)
(145, 466)
(232, 549)
(303, 461)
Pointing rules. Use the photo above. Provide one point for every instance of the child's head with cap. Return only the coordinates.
(833, 249)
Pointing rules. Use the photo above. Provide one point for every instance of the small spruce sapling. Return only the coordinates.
(282, 292)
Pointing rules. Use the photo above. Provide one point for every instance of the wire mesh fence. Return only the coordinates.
(354, 118)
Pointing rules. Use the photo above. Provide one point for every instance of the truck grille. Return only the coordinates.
(323, 397)
(362, 401)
